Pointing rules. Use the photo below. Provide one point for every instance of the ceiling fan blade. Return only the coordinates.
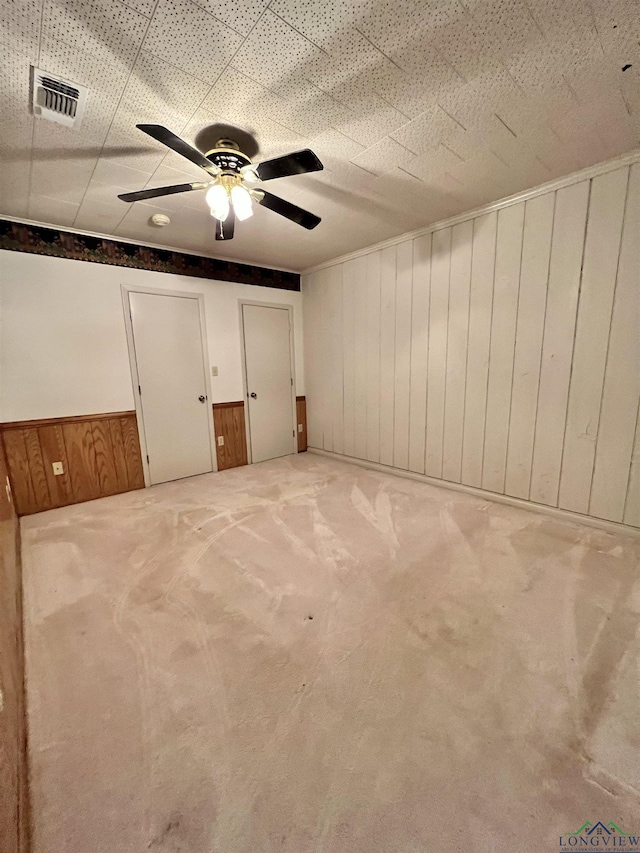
(161, 134)
(290, 211)
(158, 191)
(298, 163)
(224, 230)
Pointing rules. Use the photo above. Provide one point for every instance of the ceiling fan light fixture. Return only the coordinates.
(231, 193)
(218, 201)
(242, 203)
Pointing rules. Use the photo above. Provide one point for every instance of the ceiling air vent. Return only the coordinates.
(58, 100)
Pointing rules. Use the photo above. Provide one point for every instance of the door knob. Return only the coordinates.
(253, 394)
(202, 398)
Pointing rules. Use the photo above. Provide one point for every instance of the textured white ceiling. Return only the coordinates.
(419, 110)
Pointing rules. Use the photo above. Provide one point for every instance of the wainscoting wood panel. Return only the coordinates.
(524, 362)
(228, 421)
(20, 476)
(132, 452)
(100, 455)
(119, 460)
(301, 418)
(81, 456)
(54, 450)
(14, 800)
(105, 461)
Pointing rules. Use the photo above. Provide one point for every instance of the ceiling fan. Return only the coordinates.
(234, 179)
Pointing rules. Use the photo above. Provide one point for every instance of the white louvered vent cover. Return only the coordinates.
(58, 100)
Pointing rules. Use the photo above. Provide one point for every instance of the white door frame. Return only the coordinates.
(294, 414)
(126, 289)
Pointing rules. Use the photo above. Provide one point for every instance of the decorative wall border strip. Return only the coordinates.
(43, 240)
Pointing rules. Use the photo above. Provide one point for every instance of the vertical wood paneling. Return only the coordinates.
(100, 456)
(132, 452)
(506, 288)
(81, 455)
(402, 372)
(481, 299)
(119, 461)
(229, 422)
(419, 351)
(373, 356)
(387, 351)
(312, 357)
(18, 462)
(467, 349)
(323, 333)
(53, 450)
(459, 290)
(360, 356)
(36, 469)
(105, 464)
(301, 419)
(534, 276)
(14, 800)
(557, 345)
(632, 503)
(349, 354)
(604, 229)
(437, 363)
(334, 359)
(622, 375)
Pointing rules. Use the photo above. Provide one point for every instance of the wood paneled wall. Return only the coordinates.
(100, 455)
(502, 352)
(301, 420)
(228, 422)
(14, 823)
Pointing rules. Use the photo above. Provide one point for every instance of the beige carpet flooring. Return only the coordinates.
(306, 656)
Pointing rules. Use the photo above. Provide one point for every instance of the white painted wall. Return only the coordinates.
(501, 352)
(63, 348)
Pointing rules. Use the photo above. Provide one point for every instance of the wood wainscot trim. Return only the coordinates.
(69, 419)
(301, 419)
(100, 456)
(229, 423)
(14, 800)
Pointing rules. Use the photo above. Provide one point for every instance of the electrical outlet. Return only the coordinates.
(214, 371)
(220, 441)
(57, 468)
(299, 427)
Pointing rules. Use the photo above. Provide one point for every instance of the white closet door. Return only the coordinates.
(267, 348)
(173, 389)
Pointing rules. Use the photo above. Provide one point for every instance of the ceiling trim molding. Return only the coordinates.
(551, 186)
(5, 217)
(18, 236)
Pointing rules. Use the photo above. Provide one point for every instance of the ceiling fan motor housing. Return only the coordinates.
(228, 160)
